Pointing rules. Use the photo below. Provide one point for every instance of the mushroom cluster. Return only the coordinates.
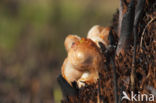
(85, 57)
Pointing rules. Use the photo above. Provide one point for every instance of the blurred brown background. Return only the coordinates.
(32, 50)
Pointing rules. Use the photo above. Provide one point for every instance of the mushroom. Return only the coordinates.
(83, 61)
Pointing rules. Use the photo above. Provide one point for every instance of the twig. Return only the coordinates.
(138, 13)
(133, 72)
(99, 92)
(134, 61)
(115, 80)
(143, 33)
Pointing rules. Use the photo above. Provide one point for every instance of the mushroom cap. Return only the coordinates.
(85, 55)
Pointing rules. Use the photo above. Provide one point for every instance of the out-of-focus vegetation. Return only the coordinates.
(32, 33)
